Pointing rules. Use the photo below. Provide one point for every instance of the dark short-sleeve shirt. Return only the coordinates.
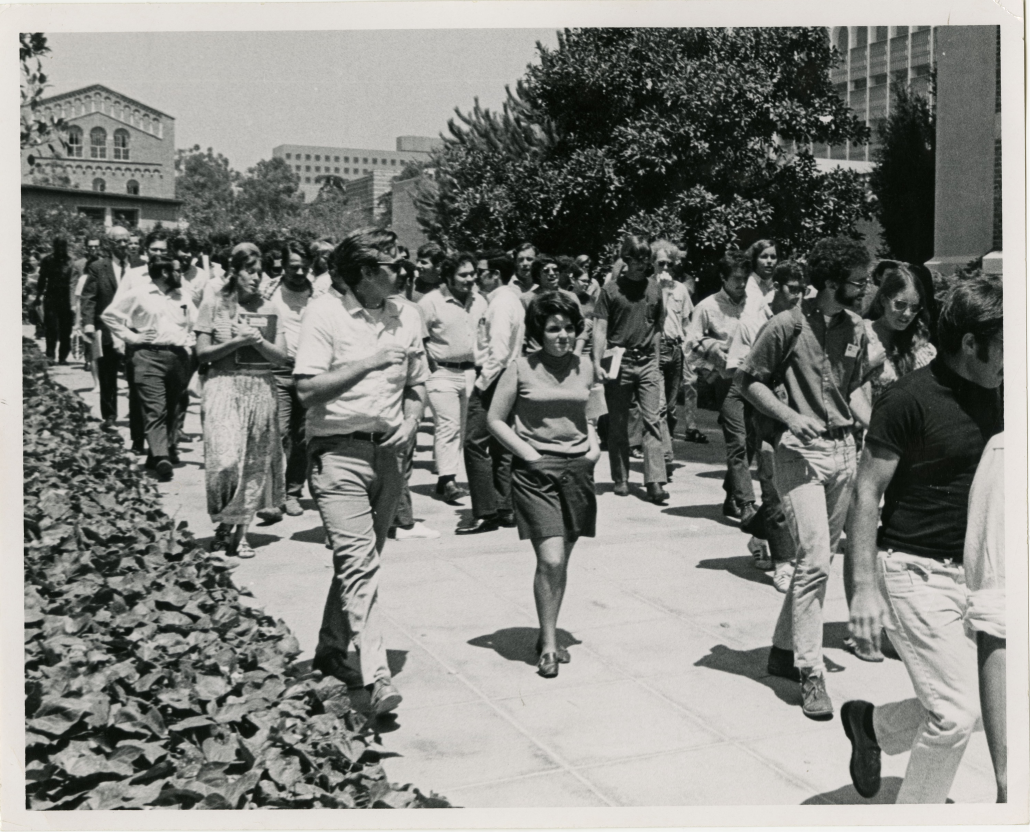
(634, 310)
(938, 424)
(829, 362)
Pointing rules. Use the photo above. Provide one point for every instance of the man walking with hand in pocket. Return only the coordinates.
(361, 371)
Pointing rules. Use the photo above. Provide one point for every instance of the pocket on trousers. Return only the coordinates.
(899, 579)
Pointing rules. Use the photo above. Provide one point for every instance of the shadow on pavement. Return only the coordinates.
(518, 644)
(316, 534)
(711, 512)
(846, 795)
(741, 567)
(751, 664)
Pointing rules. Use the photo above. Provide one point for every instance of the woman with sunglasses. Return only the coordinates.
(555, 448)
(243, 460)
(898, 325)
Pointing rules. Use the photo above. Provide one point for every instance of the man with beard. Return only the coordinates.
(818, 352)
(928, 434)
(155, 320)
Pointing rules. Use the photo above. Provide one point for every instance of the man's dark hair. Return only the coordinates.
(525, 247)
(294, 247)
(635, 247)
(362, 249)
(156, 234)
(734, 261)
(268, 258)
(832, 259)
(431, 252)
(539, 264)
(546, 304)
(402, 251)
(973, 306)
(180, 242)
(450, 265)
(490, 254)
(503, 265)
(787, 270)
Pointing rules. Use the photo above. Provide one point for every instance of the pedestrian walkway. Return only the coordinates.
(666, 701)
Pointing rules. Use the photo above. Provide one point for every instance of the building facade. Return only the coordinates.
(118, 165)
(313, 163)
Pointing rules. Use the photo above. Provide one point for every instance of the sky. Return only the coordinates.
(243, 93)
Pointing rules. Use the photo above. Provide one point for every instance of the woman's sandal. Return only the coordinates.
(548, 665)
(244, 550)
(561, 652)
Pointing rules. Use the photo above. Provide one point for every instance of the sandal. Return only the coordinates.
(548, 665)
(560, 652)
(244, 550)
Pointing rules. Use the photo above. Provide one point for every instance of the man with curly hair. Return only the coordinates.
(818, 353)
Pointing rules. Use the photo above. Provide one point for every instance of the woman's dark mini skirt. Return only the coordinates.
(554, 497)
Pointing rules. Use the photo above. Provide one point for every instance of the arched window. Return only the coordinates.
(99, 185)
(98, 143)
(121, 144)
(132, 187)
(75, 142)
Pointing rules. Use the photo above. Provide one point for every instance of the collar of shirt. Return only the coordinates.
(725, 300)
(351, 304)
(761, 288)
(810, 308)
(448, 296)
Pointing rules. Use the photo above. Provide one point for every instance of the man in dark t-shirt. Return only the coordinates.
(925, 440)
(629, 313)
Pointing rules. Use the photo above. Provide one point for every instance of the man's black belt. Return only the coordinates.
(640, 352)
(160, 347)
(362, 436)
(456, 365)
(839, 433)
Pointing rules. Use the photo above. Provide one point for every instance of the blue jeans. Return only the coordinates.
(814, 482)
(356, 485)
(926, 601)
(639, 382)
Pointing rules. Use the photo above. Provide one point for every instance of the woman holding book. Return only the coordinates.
(237, 335)
(555, 448)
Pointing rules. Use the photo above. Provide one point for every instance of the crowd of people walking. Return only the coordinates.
(862, 395)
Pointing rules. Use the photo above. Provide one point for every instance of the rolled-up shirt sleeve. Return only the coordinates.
(984, 553)
(314, 344)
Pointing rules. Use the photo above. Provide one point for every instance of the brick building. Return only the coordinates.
(119, 163)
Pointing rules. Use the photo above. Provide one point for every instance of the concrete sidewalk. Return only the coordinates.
(666, 701)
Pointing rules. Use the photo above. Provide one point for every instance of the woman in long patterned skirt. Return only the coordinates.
(242, 450)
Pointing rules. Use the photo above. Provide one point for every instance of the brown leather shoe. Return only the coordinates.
(656, 494)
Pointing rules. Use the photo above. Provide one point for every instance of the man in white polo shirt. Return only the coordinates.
(361, 371)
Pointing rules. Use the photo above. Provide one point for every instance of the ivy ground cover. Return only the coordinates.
(149, 683)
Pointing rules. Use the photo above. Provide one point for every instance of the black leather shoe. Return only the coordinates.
(730, 508)
(781, 663)
(748, 516)
(332, 664)
(656, 494)
(621, 489)
(506, 520)
(694, 435)
(865, 751)
(173, 456)
(138, 449)
(451, 492)
(481, 526)
(163, 469)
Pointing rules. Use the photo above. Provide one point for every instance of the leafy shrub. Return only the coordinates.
(148, 681)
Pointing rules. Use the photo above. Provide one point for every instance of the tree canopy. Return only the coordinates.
(698, 134)
(904, 179)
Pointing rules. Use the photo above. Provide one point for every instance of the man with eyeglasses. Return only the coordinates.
(927, 437)
(361, 371)
(155, 318)
(818, 351)
(630, 314)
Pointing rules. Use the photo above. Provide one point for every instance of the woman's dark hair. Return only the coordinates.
(294, 247)
(832, 259)
(973, 306)
(546, 304)
(787, 270)
(635, 247)
(60, 250)
(902, 348)
(236, 262)
(449, 265)
(733, 261)
(362, 249)
(756, 248)
(537, 268)
(567, 278)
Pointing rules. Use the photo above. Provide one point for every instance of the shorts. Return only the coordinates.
(554, 497)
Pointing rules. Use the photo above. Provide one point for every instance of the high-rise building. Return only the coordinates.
(313, 163)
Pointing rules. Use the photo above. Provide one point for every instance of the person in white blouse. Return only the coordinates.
(154, 318)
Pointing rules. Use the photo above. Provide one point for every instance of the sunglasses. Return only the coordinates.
(901, 307)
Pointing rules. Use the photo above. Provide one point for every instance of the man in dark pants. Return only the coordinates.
(500, 334)
(630, 313)
(55, 288)
(154, 318)
(104, 277)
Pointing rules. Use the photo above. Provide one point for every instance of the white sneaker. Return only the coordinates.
(782, 576)
(420, 531)
(760, 552)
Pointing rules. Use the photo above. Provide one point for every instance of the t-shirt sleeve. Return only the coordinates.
(314, 344)
(205, 317)
(601, 307)
(896, 421)
(769, 349)
(418, 363)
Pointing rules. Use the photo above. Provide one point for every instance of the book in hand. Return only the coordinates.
(612, 361)
(248, 357)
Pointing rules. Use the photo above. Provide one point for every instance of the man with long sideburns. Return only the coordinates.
(361, 371)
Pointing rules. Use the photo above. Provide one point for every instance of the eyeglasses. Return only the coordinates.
(861, 284)
(901, 307)
(550, 270)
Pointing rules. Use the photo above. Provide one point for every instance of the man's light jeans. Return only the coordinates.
(356, 484)
(926, 601)
(448, 392)
(814, 482)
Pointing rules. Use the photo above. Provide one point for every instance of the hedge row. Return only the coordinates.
(147, 682)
